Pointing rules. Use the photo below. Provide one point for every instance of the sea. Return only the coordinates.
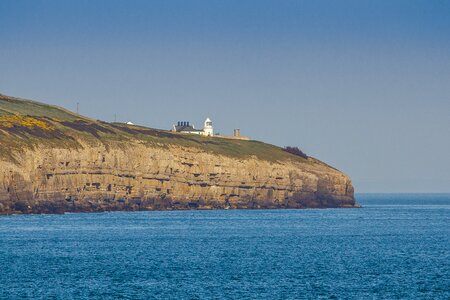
(397, 246)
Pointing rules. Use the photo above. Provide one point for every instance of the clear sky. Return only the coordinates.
(362, 85)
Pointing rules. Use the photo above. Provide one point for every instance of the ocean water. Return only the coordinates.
(396, 247)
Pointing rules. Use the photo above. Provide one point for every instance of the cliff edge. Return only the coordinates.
(55, 161)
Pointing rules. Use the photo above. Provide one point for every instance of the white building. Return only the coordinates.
(186, 127)
(208, 129)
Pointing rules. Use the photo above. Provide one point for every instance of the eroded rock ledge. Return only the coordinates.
(136, 176)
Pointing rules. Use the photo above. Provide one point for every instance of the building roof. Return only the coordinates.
(186, 128)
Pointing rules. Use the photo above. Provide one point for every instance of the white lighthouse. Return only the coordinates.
(208, 128)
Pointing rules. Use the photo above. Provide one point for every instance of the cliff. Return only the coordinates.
(55, 161)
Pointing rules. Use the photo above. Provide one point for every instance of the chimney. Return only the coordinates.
(237, 132)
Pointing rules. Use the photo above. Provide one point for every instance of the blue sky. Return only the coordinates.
(362, 85)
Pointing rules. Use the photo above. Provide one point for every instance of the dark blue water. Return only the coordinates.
(397, 246)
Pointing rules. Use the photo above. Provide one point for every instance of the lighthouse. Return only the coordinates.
(208, 128)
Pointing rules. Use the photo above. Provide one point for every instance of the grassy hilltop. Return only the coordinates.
(26, 123)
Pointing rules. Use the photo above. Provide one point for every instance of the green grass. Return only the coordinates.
(16, 106)
(69, 127)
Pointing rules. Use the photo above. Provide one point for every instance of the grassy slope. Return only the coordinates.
(25, 123)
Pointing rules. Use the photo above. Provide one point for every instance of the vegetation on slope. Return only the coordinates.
(26, 123)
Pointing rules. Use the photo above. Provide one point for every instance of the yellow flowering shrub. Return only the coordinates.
(24, 121)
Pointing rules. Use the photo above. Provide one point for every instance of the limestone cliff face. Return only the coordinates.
(138, 176)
